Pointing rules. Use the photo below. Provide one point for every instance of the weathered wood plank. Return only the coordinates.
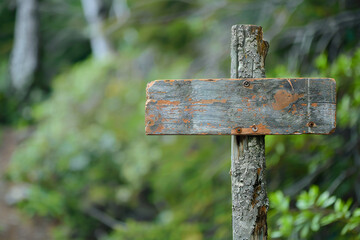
(248, 106)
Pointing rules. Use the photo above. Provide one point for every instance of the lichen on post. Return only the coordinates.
(249, 199)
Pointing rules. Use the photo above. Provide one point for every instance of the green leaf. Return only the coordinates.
(328, 219)
(339, 204)
(356, 213)
(328, 202)
(305, 231)
(279, 201)
(322, 198)
(315, 223)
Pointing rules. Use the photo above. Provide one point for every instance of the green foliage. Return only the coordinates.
(90, 151)
(90, 168)
(333, 160)
(314, 210)
(90, 147)
(148, 231)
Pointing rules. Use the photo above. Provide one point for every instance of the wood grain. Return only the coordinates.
(229, 107)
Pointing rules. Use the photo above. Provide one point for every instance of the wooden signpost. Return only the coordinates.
(247, 106)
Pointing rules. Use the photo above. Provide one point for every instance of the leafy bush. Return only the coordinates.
(90, 167)
(315, 210)
(90, 152)
(332, 162)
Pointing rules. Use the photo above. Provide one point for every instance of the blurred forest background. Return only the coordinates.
(75, 161)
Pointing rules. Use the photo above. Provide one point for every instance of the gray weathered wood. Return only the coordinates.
(230, 106)
(248, 184)
(247, 104)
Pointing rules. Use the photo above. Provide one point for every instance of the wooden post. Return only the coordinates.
(247, 106)
(248, 184)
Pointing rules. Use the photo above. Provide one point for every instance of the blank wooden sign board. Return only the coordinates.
(241, 106)
(246, 105)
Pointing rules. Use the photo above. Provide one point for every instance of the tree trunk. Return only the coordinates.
(100, 44)
(121, 10)
(249, 198)
(24, 56)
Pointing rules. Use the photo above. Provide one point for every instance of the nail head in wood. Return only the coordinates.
(311, 124)
(254, 128)
(246, 83)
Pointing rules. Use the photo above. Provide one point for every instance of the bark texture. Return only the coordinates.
(24, 56)
(249, 198)
(100, 44)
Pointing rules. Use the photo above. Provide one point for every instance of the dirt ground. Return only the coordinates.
(13, 224)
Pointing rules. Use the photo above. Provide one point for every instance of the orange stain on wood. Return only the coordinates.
(262, 130)
(211, 101)
(284, 99)
(149, 121)
(167, 102)
(191, 111)
(165, 120)
(159, 129)
(148, 86)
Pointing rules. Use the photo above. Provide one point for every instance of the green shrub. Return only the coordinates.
(90, 167)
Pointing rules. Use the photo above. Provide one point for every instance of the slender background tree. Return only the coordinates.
(25, 56)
